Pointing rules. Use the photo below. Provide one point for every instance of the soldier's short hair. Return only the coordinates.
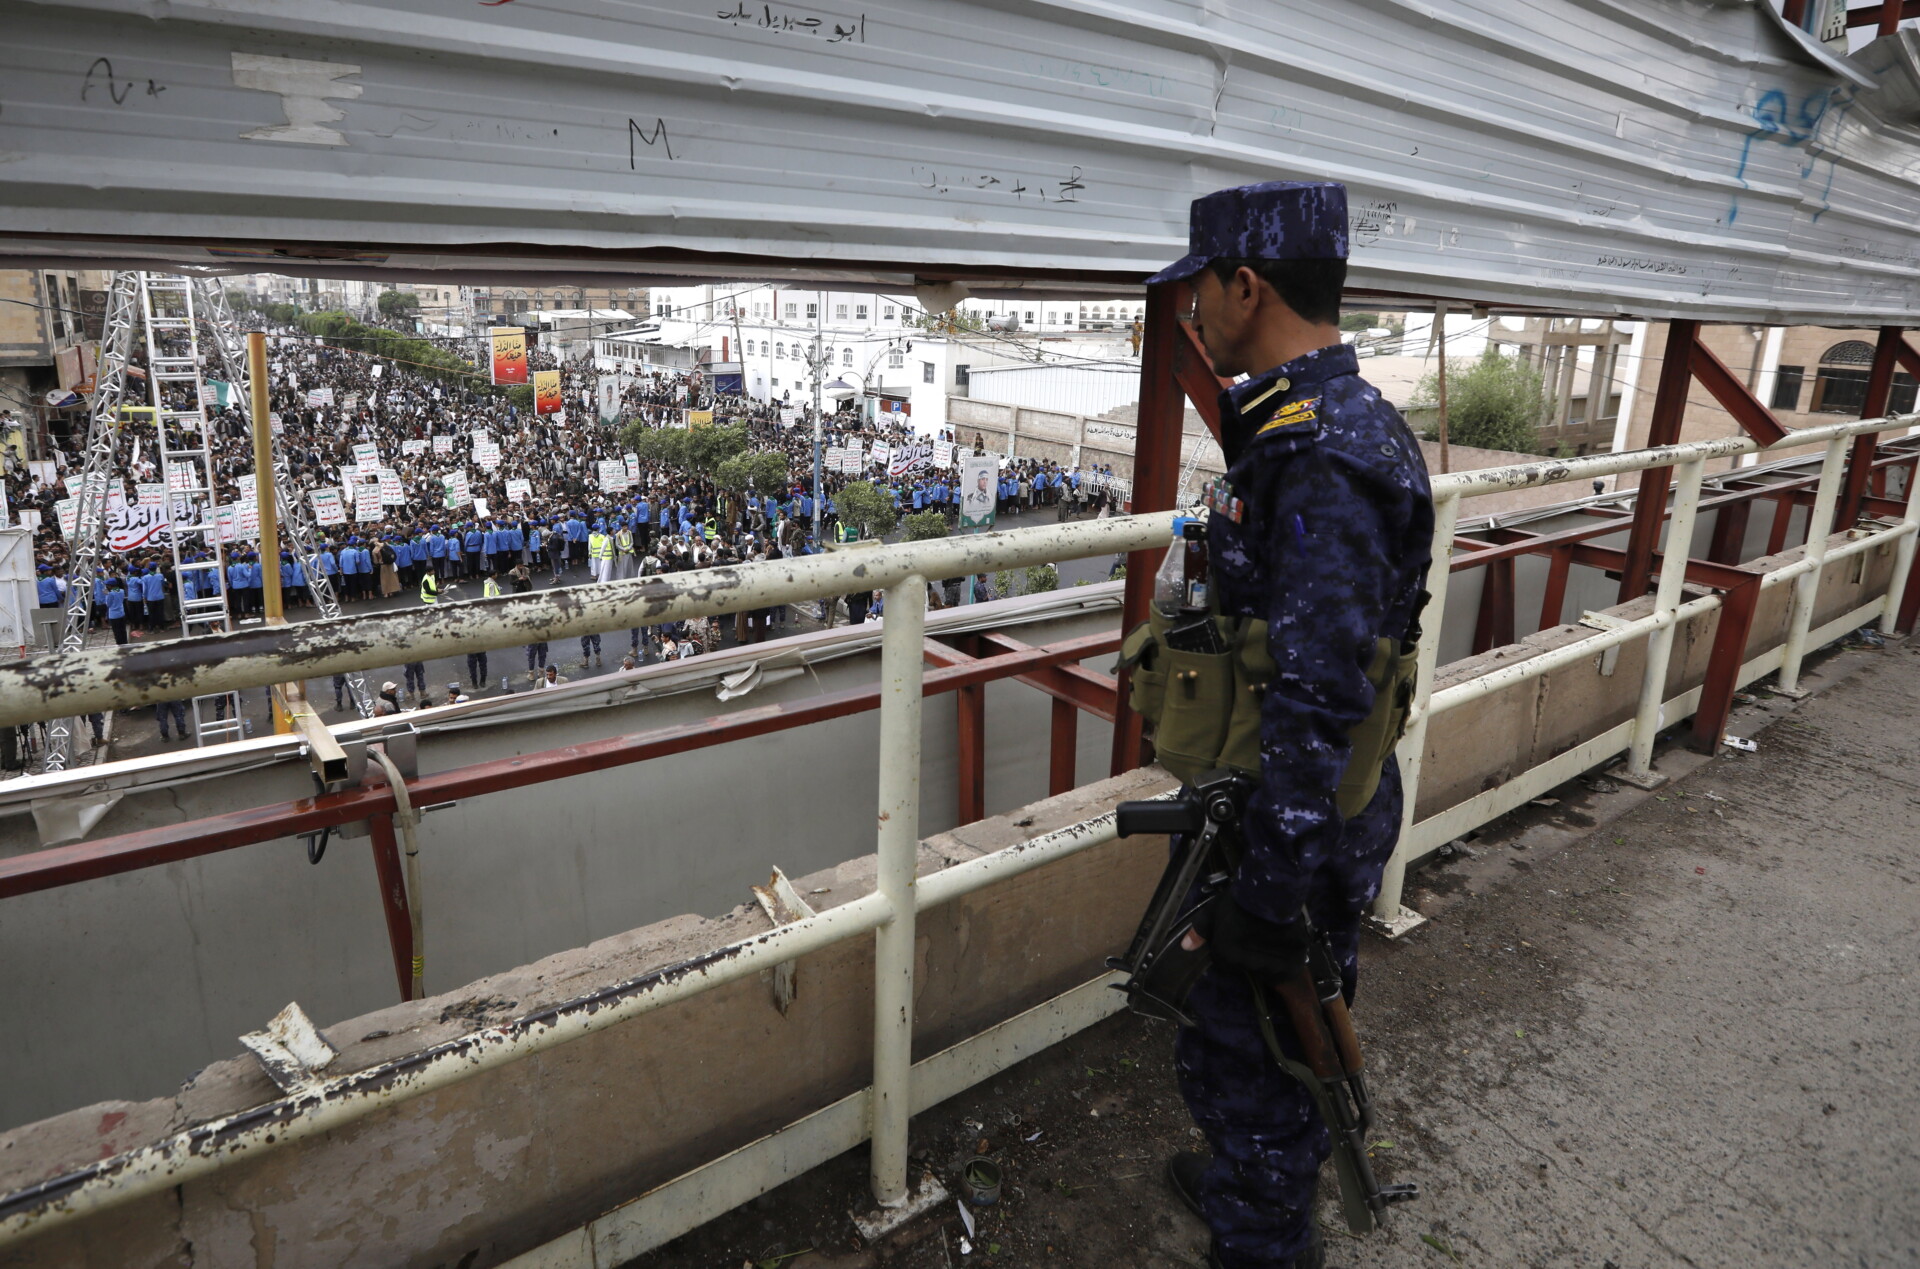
(1310, 288)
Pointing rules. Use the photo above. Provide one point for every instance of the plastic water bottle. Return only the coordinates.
(1170, 583)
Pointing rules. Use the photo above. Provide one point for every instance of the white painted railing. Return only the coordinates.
(899, 1086)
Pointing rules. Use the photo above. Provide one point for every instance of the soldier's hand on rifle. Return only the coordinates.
(1255, 943)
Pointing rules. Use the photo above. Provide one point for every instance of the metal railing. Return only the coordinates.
(72, 682)
(1636, 740)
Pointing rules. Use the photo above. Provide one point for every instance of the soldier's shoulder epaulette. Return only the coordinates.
(1297, 420)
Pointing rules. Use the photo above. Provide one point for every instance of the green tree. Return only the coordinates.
(1359, 321)
(656, 444)
(396, 303)
(763, 472)
(708, 447)
(868, 508)
(1492, 403)
(922, 525)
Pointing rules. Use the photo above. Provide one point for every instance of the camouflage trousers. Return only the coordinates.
(1267, 1139)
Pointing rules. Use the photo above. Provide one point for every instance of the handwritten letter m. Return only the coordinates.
(302, 87)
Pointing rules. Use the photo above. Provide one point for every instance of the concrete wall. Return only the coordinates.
(135, 981)
(515, 1157)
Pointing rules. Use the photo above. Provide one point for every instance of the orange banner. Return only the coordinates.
(509, 354)
(546, 392)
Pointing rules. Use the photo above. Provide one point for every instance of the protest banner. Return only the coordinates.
(328, 507)
(509, 354)
(546, 392)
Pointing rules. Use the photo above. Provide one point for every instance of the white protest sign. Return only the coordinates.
(519, 490)
(366, 502)
(366, 459)
(328, 507)
(418, 445)
(443, 445)
(613, 474)
(487, 454)
(392, 492)
(319, 396)
(458, 492)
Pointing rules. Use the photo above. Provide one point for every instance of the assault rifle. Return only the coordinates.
(1205, 820)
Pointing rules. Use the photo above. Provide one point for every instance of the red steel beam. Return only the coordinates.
(1553, 604)
(393, 900)
(1494, 628)
(1737, 606)
(1193, 369)
(1063, 749)
(970, 710)
(1754, 418)
(1669, 408)
(1794, 11)
(1156, 462)
(87, 861)
(1860, 460)
(1886, 16)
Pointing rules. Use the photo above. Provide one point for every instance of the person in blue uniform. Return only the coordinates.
(1326, 535)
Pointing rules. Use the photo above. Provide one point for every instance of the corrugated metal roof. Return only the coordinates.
(1575, 155)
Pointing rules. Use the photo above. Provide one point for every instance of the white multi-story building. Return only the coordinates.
(884, 348)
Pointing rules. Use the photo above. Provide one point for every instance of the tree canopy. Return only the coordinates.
(868, 508)
(1493, 402)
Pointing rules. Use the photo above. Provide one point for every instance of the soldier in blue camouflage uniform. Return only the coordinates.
(1326, 534)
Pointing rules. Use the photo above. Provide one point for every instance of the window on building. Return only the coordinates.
(839, 312)
(926, 372)
(896, 359)
(886, 314)
(1786, 388)
(780, 350)
(1840, 385)
(860, 312)
(774, 382)
(962, 376)
(846, 356)
(813, 311)
(792, 311)
(1901, 399)
(1029, 317)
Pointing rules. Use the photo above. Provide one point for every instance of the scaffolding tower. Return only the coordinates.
(167, 312)
(295, 518)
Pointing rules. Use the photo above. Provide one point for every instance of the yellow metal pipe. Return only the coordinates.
(263, 496)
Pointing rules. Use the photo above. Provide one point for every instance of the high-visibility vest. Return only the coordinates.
(600, 547)
(623, 542)
(490, 589)
(429, 589)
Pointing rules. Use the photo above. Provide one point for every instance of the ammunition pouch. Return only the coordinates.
(1202, 708)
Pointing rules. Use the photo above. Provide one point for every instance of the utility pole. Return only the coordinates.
(819, 321)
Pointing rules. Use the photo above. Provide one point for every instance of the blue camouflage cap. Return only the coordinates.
(1275, 220)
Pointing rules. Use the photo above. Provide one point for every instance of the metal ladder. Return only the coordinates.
(178, 393)
(89, 536)
(296, 519)
(1186, 473)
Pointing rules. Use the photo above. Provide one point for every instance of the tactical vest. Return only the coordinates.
(1202, 709)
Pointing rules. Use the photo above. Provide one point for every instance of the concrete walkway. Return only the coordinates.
(1641, 1030)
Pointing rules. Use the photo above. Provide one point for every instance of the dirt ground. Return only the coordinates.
(1639, 1029)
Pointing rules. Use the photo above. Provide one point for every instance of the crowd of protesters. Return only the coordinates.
(558, 526)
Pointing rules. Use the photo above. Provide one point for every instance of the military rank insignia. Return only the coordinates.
(1293, 412)
(1218, 497)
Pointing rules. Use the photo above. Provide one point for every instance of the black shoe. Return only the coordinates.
(1183, 1174)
